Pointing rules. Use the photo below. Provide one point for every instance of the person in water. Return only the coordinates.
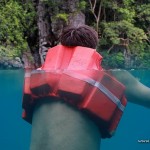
(59, 126)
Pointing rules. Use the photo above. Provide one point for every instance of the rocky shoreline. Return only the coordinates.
(7, 63)
(25, 61)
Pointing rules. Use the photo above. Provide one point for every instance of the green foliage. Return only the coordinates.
(143, 59)
(112, 31)
(9, 52)
(126, 14)
(45, 1)
(110, 4)
(62, 16)
(82, 5)
(114, 60)
(143, 16)
(14, 21)
(128, 3)
(127, 19)
(143, 12)
(54, 5)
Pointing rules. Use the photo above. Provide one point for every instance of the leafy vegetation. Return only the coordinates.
(114, 60)
(15, 24)
(62, 16)
(123, 27)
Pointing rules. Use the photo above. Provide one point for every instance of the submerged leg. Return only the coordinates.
(58, 126)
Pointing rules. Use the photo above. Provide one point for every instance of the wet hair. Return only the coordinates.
(79, 36)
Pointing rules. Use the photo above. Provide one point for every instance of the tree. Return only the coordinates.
(53, 16)
(14, 31)
(35, 25)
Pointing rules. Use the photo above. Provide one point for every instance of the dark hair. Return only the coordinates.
(79, 36)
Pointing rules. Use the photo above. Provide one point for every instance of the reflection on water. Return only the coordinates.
(133, 131)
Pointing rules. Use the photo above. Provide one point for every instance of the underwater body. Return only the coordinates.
(133, 131)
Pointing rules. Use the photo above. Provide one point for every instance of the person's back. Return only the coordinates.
(56, 124)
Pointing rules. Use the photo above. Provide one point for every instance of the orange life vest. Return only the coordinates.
(76, 76)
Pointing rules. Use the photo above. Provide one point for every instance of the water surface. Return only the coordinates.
(15, 132)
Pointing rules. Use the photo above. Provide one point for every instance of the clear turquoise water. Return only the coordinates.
(15, 132)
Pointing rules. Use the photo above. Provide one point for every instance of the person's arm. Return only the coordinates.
(135, 92)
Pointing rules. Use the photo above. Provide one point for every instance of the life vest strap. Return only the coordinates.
(97, 84)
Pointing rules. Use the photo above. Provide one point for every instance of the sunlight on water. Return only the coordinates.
(133, 131)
